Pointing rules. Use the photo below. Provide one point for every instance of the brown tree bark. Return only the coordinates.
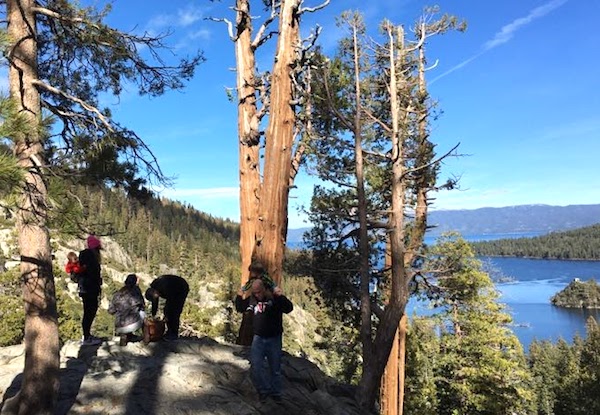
(249, 149)
(273, 204)
(39, 386)
(402, 362)
(389, 383)
(392, 387)
(248, 133)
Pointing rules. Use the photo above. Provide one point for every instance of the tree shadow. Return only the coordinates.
(144, 392)
(70, 380)
(192, 375)
(71, 377)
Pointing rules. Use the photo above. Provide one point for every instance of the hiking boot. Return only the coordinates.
(123, 340)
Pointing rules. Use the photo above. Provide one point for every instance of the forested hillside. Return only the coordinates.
(159, 236)
(582, 243)
(160, 231)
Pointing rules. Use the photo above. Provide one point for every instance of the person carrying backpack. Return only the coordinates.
(90, 287)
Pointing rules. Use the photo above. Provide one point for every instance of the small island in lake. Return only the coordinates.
(578, 294)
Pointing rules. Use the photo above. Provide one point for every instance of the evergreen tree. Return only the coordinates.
(61, 58)
(482, 368)
(567, 388)
(543, 358)
(422, 358)
(590, 369)
(371, 144)
(11, 175)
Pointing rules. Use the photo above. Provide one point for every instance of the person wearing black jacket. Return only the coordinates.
(90, 283)
(268, 308)
(174, 290)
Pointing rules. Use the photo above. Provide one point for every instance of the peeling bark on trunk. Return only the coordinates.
(249, 135)
(402, 362)
(389, 384)
(39, 385)
(273, 205)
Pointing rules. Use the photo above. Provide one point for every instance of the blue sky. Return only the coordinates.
(518, 90)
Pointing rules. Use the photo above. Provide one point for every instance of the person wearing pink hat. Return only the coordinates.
(90, 283)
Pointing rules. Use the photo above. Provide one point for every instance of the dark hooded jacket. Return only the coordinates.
(89, 279)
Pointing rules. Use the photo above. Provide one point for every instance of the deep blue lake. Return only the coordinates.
(527, 296)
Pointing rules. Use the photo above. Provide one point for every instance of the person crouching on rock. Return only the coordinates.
(174, 290)
(128, 307)
(267, 325)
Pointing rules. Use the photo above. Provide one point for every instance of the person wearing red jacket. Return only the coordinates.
(72, 266)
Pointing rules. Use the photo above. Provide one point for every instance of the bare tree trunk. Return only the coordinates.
(248, 133)
(249, 148)
(273, 204)
(39, 386)
(389, 385)
(402, 362)
(363, 238)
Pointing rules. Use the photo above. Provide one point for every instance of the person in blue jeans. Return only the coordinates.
(267, 323)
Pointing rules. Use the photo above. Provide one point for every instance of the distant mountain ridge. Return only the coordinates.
(503, 220)
(514, 219)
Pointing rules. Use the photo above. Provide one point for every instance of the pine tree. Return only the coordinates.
(273, 99)
(372, 146)
(590, 368)
(482, 367)
(422, 357)
(543, 358)
(61, 58)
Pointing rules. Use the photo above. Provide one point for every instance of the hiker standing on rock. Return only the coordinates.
(90, 283)
(267, 324)
(256, 271)
(174, 290)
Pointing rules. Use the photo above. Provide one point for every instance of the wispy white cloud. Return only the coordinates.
(181, 18)
(203, 34)
(456, 67)
(506, 33)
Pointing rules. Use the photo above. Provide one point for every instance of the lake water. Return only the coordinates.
(527, 296)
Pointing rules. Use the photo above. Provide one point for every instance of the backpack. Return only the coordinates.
(153, 330)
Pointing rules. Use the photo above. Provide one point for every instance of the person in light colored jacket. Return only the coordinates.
(127, 305)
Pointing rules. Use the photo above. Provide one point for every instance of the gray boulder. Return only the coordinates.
(189, 376)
